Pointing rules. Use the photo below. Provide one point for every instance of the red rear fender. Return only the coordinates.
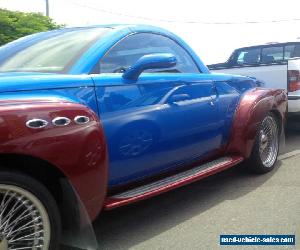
(77, 150)
(253, 107)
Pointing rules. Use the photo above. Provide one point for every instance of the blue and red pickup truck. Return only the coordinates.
(108, 115)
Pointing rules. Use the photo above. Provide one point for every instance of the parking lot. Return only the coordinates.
(194, 216)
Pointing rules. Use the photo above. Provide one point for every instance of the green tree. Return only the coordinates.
(15, 24)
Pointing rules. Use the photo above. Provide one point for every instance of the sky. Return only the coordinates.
(212, 28)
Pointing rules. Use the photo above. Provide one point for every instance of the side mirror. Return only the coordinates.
(151, 61)
(179, 98)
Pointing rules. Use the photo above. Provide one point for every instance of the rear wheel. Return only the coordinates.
(29, 217)
(266, 147)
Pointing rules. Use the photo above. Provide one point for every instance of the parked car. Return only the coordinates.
(274, 65)
(109, 115)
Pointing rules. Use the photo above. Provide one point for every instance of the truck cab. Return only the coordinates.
(276, 65)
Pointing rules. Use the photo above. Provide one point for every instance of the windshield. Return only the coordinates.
(55, 54)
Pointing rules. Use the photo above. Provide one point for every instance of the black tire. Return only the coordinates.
(38, 204)
(257, 163)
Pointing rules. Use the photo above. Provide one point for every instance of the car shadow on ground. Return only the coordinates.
(128, 226)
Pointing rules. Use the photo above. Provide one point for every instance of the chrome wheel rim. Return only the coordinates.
(268, 141)
(24, 221)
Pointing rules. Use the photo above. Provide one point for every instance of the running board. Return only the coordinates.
(171, 182)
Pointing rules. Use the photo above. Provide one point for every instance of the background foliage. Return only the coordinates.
(15, 24)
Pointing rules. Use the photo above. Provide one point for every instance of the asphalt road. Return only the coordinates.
(194, 216)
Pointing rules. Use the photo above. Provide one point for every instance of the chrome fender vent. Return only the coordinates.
(81, 119)
(61, 121)
(36, 123)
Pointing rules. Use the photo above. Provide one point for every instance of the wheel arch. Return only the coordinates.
(76, 154)
(253, 107)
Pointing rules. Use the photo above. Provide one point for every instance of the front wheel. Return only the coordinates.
(29, 217)
(266, 147)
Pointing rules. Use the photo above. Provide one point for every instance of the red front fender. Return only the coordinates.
(78, 151)
(253, 107)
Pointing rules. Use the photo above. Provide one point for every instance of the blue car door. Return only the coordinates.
(164, 120)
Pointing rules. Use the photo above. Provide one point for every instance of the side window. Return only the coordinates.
(272, 54)
(291, 51)
(288, 51)
(248, 56)
(296, 52)
(130, 49)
